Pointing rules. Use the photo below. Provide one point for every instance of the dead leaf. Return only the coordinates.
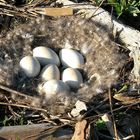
(126, 99)
(79, 133)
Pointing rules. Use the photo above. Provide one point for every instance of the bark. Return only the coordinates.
(34, 132)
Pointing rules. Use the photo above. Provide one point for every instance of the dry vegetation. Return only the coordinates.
(114, 114)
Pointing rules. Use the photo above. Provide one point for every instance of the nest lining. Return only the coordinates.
(103, 59)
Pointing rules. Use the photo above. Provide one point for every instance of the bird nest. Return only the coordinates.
(103, 58)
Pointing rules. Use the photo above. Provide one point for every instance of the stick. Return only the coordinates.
(24, 106)
(34, 132)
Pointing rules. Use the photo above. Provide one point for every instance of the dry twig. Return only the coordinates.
(24, 106)
(113, 119)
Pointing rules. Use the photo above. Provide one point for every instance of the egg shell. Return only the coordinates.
(30, 66)
(55, 87)
(49, 72)
(72, 77)
(46, 56)
(71, 58)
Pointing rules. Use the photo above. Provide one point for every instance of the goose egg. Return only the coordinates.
(46, 56)
(55, 87)
(49, 72)
(72, 77)
(71, 58)
(30, 66)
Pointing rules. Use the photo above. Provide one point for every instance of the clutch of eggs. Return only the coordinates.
(50, 74)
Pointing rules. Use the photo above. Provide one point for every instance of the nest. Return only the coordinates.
(103, 58)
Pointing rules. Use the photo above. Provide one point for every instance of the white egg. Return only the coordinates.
(72, 77)
(55, 87)
(71, 58)
(30, 66)
(49, 72)
(46, 56)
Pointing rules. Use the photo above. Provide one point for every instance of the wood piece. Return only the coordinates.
(79, 133)
(34, 132)
(55, 11)
(135, 54)
(13, 132)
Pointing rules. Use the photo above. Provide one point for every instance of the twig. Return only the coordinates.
(97, 8)
(46, 132)
(114, 110)
(129, 137)
(113, 119)
(11, 91)
(11, 110)
(3, 1)
(10, 10)
(92, 109)
(24, 106)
